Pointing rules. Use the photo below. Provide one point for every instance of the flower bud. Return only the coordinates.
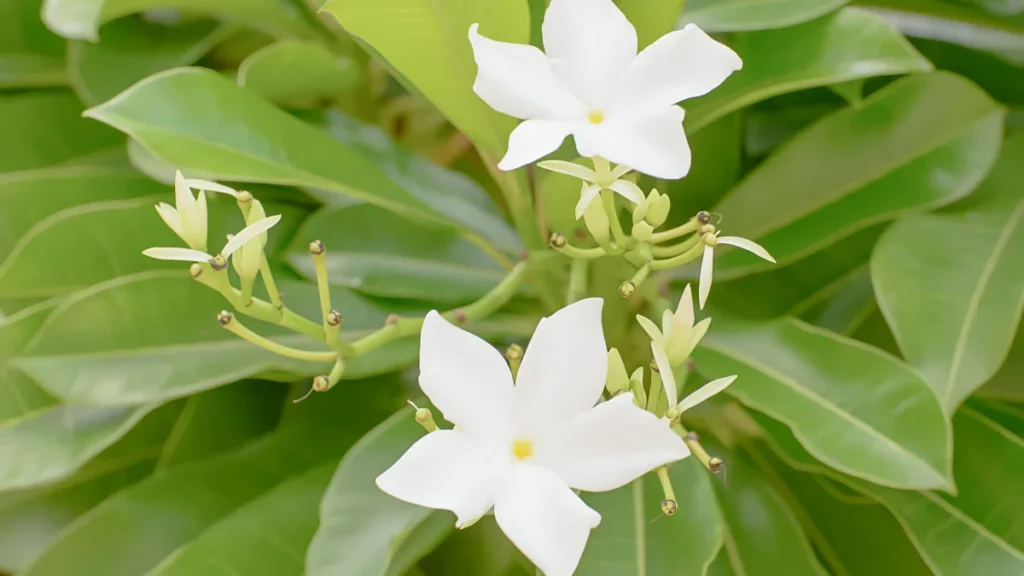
(597, 222)
(618, 379)
(661, 204)
(248, 259)
(640, 212)
(643, 231)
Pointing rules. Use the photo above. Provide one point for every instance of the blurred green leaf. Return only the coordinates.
(154, 336)
(484, 549)
(852, 406)
(848, 45)
(973, 254)
(633, 540)
(922, 142)
(426, 43)
(45, 129)
(135, 530)
(651, 18)
(133, 49)
(30, 55)
(19, 396)
(733, 15)
(81, 19)
(717, 151)
(298, 73)
(374, 252)
(1008, 383)
(363, 530)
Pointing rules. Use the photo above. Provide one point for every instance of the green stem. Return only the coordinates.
(682, 230)
(608, 199)
(491, 251)
(675, 249)
(655, 393)
(579, 253)
(577, 281)
(666, 483)
(233, 325)
(697, 449)
(688, 256)
(488, 304)
(268, 281)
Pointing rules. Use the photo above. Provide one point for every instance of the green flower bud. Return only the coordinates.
(643, 231)
(640, 212)
(660, 207)
(618, 379)
(597, 222)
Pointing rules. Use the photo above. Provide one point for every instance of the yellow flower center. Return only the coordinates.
(595, 116)
(522, 449)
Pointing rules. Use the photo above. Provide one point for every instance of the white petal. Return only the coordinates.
(544, 519)
(667, 320)
(183, 198)
(628, 190)
(654, 144)
(699, 331)
(533, 139)
(569, 169)
(170, 217)
(620, 171)
(517, 79)
(683, 64)
(650, 327)
(467, 379)
(211, 187)
(749, 246)
(448, 470)
(609, 446)
(590, 44)
(564, 368)
(182, 254)
(587, 195)
(249, 232)
(684, 313)
(707, 271)
(704, 392)
(668, 378)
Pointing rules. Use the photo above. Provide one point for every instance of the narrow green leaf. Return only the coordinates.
(848, 45)
(862, 166)
(854, 407)
(361, 528)
(735, 15)
(132, 49)
(30, 55)
(427, 43)
(298, 73)
(974, 254)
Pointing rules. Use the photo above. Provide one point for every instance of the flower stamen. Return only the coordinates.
(595, 116)
(522, 449)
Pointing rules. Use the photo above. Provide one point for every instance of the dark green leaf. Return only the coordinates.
(30, 55)
(298, 73)
(732, 15)
(1008, 383)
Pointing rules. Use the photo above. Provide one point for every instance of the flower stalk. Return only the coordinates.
(233, 325)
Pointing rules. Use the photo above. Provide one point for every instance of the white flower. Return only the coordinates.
(596, 182)
(187, 218)
(676, 339)
(592, 84)
(522, 448)
(707, 263)
(249, 233)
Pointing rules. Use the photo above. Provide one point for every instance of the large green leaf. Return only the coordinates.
(81, 19)
(732, 15)
(848, 45)
(973, 254)
(1008, 383)
(298, 73)
(19, 396)
(138, 528)
(854, 407)
(651, 18)
(206, 124)
(374, 252)
(161, 341)
(46, 128)
(632, 540)
(427, 43)
(922, 142)
(133, 49)
(30, 55)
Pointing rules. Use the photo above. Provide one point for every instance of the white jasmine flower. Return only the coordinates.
(249, 233)
(707, 263)
(592, 84)
(596, 182)
(522, 448)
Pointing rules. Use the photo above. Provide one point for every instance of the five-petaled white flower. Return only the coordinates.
(248, 234)
(522, 448)
(707, 264)
(187, 218)
(592, 84)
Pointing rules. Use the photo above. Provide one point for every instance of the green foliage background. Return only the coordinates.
(874, 147)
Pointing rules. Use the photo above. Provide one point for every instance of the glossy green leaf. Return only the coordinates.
(131, 362)
(717, 151)
(862, 166)
(733, 15)
(376, 253)
(298, 73)
(362, 529)
(651, 18)
(30, 55)
(135, 530)
(45, 129)
(1008, 383)
(955, 23)
(30, 196)
(133, 49)
(267, 536)
(632, 540)
(415, 36)
(848, 45)
(973, 254)
(81, 19)
(482, 550)
(852, 406)
(207, 124)
(19, 396)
